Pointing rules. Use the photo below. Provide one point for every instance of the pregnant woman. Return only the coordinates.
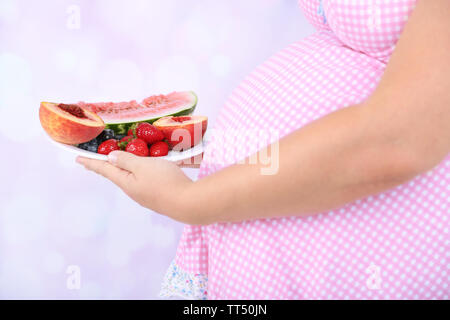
(358, 204)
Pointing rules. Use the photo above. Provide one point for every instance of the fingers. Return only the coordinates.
(116, 175)
(124, 160)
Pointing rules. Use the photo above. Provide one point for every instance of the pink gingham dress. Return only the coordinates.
(394, 245)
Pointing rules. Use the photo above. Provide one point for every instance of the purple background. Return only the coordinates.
(54, 214)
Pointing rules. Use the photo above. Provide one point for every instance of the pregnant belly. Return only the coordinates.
(391, 245)
(300, 84)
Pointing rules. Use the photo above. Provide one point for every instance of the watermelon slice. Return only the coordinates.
(120, 116)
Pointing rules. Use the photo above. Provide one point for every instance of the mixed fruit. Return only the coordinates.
(150, 128)
(143, 139)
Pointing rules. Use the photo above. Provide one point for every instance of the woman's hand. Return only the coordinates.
(154, 183)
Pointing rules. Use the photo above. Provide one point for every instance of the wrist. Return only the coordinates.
(194, 206)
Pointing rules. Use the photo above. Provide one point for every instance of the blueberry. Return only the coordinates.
(105, 135)
(120, 137)
(83, 146)
(92, 148)
(93, 145)
(86, 145)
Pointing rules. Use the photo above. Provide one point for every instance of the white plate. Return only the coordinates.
(172, 156)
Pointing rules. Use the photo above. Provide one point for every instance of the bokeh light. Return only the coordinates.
(220, 65)
(9, 11)
(175, 73)
(112, 77)
(53, 213)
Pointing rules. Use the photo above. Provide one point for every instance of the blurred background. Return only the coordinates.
(66, 233)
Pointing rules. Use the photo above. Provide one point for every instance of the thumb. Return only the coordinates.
(124, 160)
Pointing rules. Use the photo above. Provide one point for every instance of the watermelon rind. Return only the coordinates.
(123, 127)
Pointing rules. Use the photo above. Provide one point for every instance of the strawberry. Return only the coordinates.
(138, 147)
(127, 138)
(132, 130)
(149, 133)
(124, 142)
(108, 146)
(159, 149)
(168, 143)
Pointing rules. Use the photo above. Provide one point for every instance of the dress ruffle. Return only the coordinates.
(182, 284)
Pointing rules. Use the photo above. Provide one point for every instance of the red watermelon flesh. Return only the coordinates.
(119, 116)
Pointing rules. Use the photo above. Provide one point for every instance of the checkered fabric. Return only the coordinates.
(394, 245)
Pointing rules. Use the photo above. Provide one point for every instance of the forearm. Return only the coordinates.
(402, 130)
(337, 159)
